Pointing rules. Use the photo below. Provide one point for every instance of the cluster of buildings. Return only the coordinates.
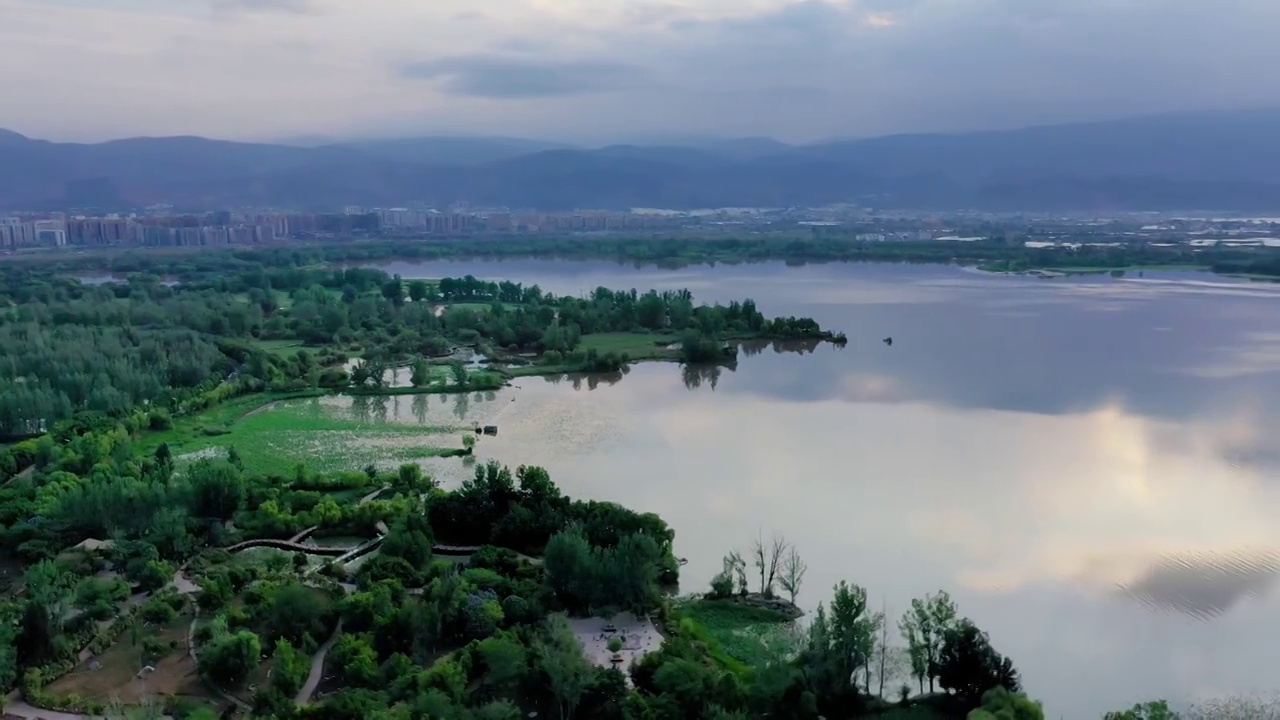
(159, 228)
(504, 222)
(59, 229)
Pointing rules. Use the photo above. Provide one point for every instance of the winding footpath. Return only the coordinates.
(317, 667)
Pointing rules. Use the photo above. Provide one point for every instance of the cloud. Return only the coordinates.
(511, 78)
(795, 69)
(286, 6)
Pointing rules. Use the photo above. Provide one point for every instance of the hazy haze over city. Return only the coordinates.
(592, 71)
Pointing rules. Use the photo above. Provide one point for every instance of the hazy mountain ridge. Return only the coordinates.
(1228, 161)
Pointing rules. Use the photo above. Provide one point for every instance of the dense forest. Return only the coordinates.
(67, 347)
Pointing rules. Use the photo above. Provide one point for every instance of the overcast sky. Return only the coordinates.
(606, 70)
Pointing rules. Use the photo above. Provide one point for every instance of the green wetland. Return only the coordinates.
(336, 433)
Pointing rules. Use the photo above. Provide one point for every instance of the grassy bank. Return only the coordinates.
(740, 636)
(638, 346)
(277, 436)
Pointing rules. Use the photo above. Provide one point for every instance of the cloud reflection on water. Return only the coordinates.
(1056, 467)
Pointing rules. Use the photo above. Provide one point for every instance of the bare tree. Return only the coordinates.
(768, 558)
(777, 548)
(793, 570)
(758, 552)
(877, 625)
(882, 647)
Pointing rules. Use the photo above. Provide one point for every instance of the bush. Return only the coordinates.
(158, 612)
(160, 420)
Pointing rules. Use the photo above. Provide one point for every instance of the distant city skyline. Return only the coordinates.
(587, 72)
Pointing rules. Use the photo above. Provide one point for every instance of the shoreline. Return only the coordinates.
(671, 252)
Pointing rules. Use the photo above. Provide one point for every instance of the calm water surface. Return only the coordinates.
(1087, 465)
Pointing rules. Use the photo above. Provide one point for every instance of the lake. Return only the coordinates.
(1088, 465)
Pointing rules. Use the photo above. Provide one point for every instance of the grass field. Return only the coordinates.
(275, 438)
(640, 346)
(749, 636)
(192, 430)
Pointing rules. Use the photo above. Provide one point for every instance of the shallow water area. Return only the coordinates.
(1085, 463)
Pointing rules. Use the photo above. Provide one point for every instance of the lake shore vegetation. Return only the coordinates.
(991, 249)
(411, 600)
(159, 352)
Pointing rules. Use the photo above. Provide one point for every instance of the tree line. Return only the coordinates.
(1115, 252)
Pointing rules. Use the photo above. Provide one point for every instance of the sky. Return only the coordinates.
(614, 70)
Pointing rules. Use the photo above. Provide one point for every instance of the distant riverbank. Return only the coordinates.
(991, 254)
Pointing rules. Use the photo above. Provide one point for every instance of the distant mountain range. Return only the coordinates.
(1221, 161)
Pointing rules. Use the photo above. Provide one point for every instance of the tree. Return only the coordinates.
(228, 659)
(498, 710)
(459, 374)
(505, 664)
(8, 655)
(568, 565)
(294, 611)
(734, 564)
(98, 597)
(968, 666)
(217, 488)
(1154, 710)
(421, 376)
(1000, 704)
(289, 670)
(889, 660)
(924, 627)
(559, 657)
(838, 647)
(721, 585)
(410, 539)
(418, 290)
(792, 577)
(853, 629)
(393, 290)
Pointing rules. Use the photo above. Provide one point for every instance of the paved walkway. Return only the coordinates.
(639, 638)
(317, 668)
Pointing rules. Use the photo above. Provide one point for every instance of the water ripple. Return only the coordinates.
(1204, 585)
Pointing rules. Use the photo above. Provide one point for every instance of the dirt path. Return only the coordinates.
(317, 668)
(13, 705)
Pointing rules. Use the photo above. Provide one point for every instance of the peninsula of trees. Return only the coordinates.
(163, 349)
